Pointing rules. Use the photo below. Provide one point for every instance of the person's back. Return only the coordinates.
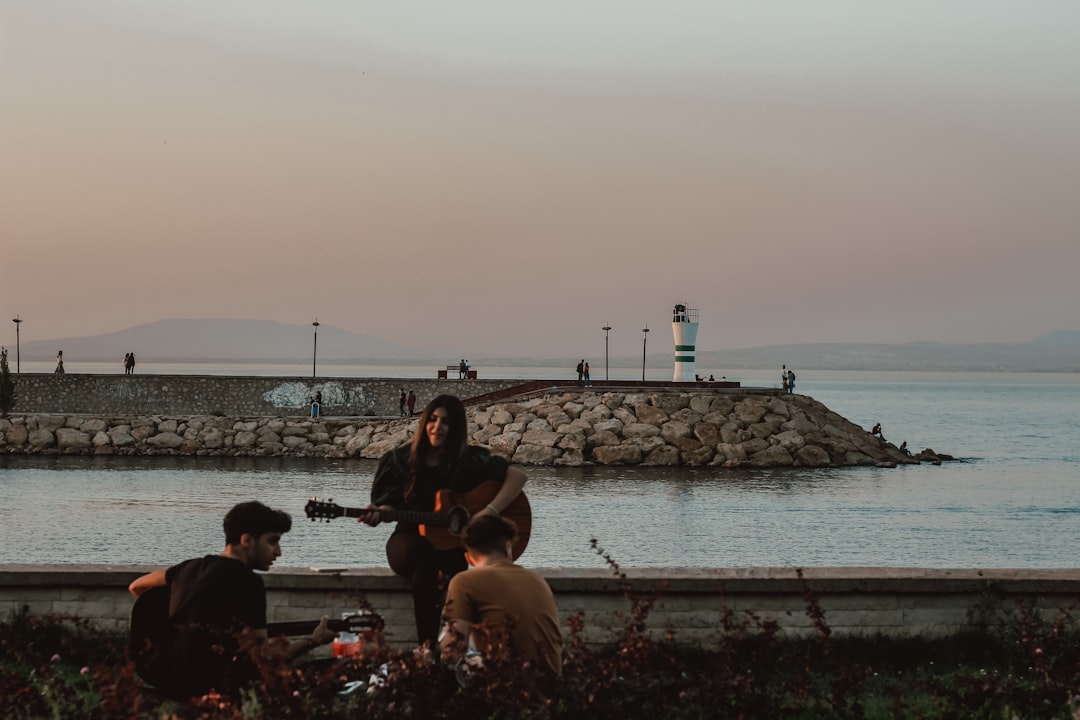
(212, 600)
(496, 600)
(503, 598)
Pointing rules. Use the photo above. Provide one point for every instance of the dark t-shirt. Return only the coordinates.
(211, 599)
(477, 467)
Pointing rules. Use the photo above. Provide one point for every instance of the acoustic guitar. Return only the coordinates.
(151, 633)
(445, 526)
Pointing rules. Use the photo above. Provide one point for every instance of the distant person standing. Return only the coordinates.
(126, 356)
(791, 381)
(580, 371)
(59, 363)
(129, 364)
(783, 377)
(462, 369)
(401, 402)
(410, 402)
(588, 381)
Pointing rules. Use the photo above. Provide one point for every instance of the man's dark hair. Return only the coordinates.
(489, 534)
(255, 519)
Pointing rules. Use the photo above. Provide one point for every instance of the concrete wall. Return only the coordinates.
(855, 600)
(244, 396)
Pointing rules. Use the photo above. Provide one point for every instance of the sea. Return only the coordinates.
(1010, 499)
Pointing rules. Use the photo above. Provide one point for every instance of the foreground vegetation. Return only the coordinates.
(1020, 665)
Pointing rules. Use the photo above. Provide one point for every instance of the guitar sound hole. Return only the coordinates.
(457, 519)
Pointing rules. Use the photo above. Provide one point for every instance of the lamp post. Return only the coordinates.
(17, 322)
(606, 329)
(315, 346)
(644, 344)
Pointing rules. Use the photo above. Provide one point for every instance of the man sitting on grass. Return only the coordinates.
(498, 607)
(216, 602)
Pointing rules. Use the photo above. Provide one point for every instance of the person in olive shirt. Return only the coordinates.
(496, 600)
(439, 457)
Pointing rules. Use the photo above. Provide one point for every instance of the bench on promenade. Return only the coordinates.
(444, 374)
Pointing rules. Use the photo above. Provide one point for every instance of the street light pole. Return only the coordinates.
(644, 344)
(315, 346)
(606, 329)
(18, 364)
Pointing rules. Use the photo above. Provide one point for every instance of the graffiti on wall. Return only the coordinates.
(300, 394)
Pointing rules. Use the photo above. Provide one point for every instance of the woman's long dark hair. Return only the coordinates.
(455, 445)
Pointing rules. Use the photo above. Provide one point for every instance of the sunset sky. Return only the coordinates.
(505, 177)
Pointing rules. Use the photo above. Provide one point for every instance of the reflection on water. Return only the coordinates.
(162, 510)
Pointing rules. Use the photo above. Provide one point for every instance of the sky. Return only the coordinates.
(500, 177)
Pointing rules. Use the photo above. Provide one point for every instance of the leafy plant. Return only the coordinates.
(1025, 664)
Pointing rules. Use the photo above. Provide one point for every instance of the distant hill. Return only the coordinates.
(211, 340)
(1055, 352)
(221, 340)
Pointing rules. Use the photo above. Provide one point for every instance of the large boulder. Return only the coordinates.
(17, 435)
(602, 438)
(674, 430)
(617, 455)
(774, 456)
(812, 456)
(505, 444)
(663, 455)
(638, 430)
(165, 440)
(547, 438)
(379, 448)
(650, 415)
(535, 455)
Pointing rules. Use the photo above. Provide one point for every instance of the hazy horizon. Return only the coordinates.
(494, 179)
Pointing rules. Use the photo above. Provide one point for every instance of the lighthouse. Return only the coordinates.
(684, 325)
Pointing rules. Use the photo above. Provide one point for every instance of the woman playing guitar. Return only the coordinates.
(408, 478)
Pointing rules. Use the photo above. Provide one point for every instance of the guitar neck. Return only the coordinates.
(412, 517)
(306, 627)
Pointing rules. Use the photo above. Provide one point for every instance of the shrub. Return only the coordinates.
(1023, 666)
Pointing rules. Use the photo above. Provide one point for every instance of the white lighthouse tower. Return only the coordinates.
(684, 325)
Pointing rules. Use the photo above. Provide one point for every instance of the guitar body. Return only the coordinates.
(151, 636)
(444, 528)
(447, 502)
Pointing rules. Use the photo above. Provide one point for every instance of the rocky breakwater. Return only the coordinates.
(674, 428)
(728, 429)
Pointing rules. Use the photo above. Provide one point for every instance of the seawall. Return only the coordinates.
(689, 602)
(729, 427)
(242, 396)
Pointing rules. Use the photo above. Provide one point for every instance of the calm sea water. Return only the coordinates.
(1011, 500)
